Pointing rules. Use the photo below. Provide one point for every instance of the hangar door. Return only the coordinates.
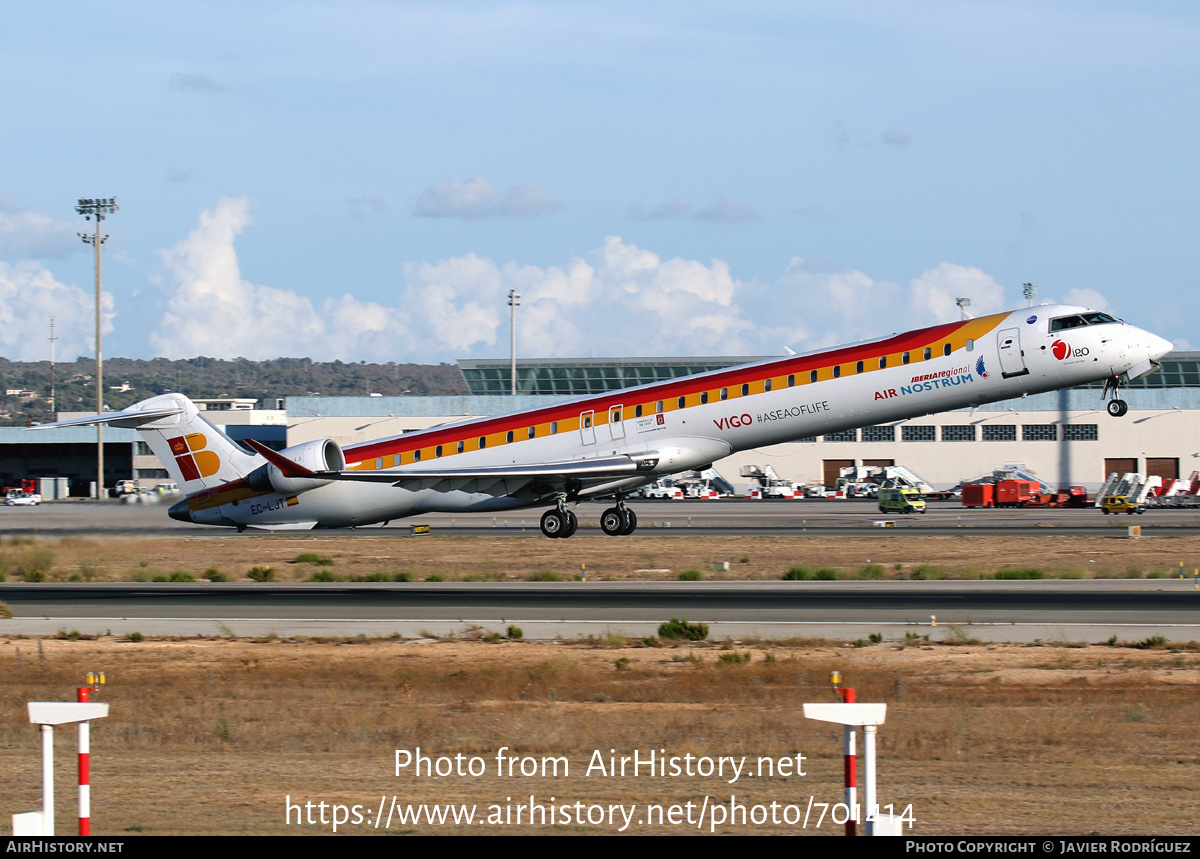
(833, 470)
(1120, 466)
(1165, 467)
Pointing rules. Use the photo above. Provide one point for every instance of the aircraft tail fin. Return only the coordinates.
(195, 453)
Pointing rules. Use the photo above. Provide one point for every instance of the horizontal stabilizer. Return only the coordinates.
(128, 418)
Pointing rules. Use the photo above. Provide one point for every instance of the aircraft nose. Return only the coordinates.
(1158, 346)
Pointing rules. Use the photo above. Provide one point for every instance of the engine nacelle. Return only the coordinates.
(321, 454)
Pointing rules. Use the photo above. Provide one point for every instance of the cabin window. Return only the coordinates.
(379, 463)
(587, 421)
(637, 411)
(724, 393)
(532, 431)
(945, 348)
(882, 361)
(682, 402)
(927, 354)
(396, 459)
(416, 456)
(837, 371)
(437, 451)
(461, 445)
(858, 368)
(508, 437)
(658, 407)
(745, 390)
(703, 397)
(616, 416)
(904, 358)
(482, 442)
(812, 376)
(970, 345)
(767, 385)
(553, 427)
(791, 381)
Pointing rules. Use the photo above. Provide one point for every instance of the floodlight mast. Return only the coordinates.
(514, 301)
(98, 208)
(1030, 292)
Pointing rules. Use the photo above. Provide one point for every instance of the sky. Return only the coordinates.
(369, 180)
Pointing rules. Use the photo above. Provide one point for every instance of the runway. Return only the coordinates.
(1068, 611)
(725, 516)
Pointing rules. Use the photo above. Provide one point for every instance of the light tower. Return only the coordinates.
(1030, 290)
(99, 208)
(514, 301)
(963, 304)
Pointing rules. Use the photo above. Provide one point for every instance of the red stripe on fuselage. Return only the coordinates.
(732, 378)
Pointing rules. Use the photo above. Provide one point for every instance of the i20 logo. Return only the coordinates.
(735, 421)
(1062, 350)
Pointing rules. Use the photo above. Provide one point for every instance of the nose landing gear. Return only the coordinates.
(1116, 406)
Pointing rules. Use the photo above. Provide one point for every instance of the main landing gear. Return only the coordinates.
(616, 521)
(1116, 407)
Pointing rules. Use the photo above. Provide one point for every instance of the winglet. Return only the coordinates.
(286, 466)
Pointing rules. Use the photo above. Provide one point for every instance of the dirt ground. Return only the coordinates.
(648, 557)
(214, 736)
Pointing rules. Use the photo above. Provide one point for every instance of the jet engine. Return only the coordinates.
(321, 454)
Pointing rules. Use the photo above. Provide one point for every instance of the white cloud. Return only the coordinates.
(896, 137)
(618, 299)
(32, 235)
(29, 297)
(934, 293)
(212, 311)
(476, 199)
(1088, 298)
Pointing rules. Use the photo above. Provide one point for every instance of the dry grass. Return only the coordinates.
(525, 557)
(209, 736)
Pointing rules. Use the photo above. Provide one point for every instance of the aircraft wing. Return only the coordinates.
(540, 479)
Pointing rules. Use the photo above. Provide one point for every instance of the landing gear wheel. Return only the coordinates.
(554, 524)
(1118, 408)
(630, 523)
(572, 525)
(612, 522)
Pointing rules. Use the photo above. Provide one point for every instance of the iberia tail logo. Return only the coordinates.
(191, 457)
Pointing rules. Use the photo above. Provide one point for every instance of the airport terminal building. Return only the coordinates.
(1064, 437)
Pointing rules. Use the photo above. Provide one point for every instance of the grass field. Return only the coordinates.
(363, 556)
(211, 736)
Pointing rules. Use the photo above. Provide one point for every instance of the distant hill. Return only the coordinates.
(202, 378)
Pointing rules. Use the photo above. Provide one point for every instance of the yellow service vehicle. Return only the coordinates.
(1120, 504)
(900, 500)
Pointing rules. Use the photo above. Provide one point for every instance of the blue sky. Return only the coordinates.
(367, 180)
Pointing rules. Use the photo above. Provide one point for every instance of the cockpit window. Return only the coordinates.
(1065, 322)
(1090, 318)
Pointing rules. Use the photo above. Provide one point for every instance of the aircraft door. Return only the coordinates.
(587, 427)
(616, 422)
(1012, 358)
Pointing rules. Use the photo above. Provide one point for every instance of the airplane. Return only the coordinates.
(607, 446)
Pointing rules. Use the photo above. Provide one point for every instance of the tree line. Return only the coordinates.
(207, 378)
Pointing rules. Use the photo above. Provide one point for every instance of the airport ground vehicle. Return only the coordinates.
(607, 446)
(899, 499)
(1120, 504)
(17, 498)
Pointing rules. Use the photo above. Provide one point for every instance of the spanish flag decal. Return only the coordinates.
(293, 501)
